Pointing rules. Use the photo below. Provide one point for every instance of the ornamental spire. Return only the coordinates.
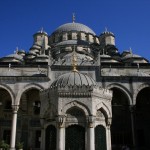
(42, 30)
(131, 50)
(106, 30)
(16, 51)
(73, 17)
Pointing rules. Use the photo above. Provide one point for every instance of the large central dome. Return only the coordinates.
(74, 27)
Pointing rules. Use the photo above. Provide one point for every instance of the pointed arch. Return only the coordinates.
(139, 88)
(10, 91)
(78, 105)
(27, 87)
(123, 89)
(105, 109)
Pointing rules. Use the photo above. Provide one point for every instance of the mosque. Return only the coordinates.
(74, 90)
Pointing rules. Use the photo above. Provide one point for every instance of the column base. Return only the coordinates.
(12, 148)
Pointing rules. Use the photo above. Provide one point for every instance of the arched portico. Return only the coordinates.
(123, 89)
(142, 119)
(122, 130)
(29, 117)
(6, 100)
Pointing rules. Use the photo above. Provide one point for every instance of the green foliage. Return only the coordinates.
(19, 145)
(4, 145)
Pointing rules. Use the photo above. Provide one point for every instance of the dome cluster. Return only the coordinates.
(67, 38)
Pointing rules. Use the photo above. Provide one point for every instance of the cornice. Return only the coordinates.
(23, 78)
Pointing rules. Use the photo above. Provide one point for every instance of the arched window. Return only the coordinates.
(100, 138)
(69, 36)
(60, 38)
(36, 107)
(50, 138)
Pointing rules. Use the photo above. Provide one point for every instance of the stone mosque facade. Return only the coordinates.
(74, 90)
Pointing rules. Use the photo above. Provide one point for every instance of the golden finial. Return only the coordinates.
(73, 17)
(74, 61)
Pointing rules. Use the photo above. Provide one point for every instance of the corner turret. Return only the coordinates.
(41, 39)
(107, 38)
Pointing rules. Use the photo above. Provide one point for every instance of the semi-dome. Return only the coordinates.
(74, 27)
(73, 78)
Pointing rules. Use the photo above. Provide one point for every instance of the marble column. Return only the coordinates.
(108, 137)
(91, 133)
(60, 133)
(14, 125)
(91, 139)
(133, 126)
(60, 138)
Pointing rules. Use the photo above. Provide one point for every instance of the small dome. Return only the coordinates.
(131, 56)
(74, 27)
(73, 78)
(134, 58)
(107, 33)
(42, 32)
(14, 56)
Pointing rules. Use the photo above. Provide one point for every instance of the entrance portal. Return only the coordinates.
(75, 138)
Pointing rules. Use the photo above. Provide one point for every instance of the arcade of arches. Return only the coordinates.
(129, 126)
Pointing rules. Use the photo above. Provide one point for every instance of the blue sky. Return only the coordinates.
(129, 20)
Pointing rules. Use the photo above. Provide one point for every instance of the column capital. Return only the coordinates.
(108, 127)
(91, 121)
(15, 108)
(132, 108)
(60, 120)
(109, 120)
